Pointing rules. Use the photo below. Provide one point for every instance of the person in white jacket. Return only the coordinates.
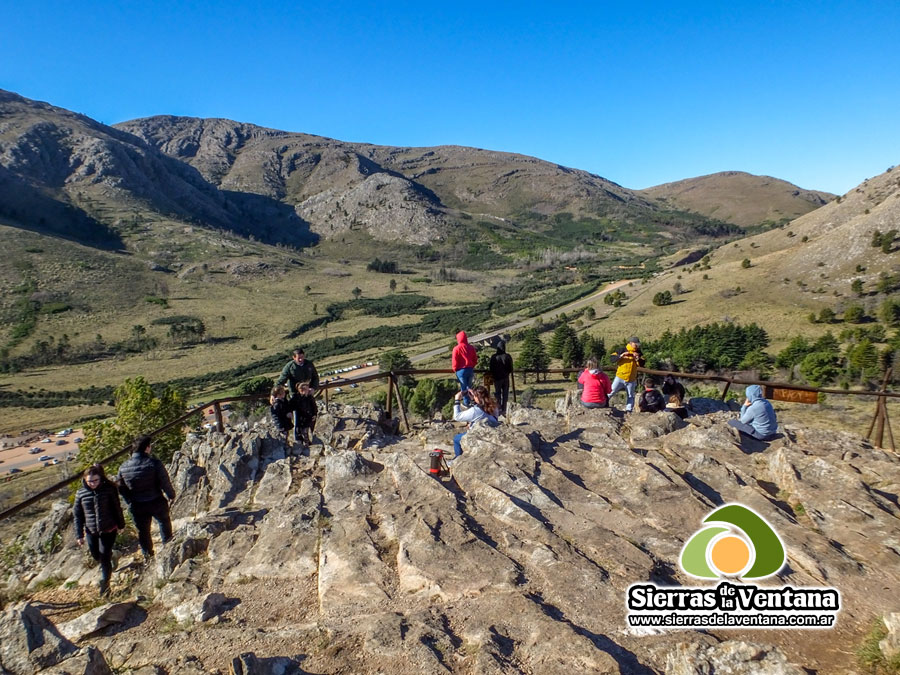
(483, 408)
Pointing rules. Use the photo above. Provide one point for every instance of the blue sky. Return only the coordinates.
(640, 93)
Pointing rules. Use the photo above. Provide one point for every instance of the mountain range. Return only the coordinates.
(68, 174)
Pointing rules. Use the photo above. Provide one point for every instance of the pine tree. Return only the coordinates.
(533, 355)
(138, 412)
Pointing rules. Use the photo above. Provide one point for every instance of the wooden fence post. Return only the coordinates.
(390, 395)
(400, 401)
(512, 381)
(220, 423)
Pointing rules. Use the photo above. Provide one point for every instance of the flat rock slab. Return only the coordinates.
(95, 620)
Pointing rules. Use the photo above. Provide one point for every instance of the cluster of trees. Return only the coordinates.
(616, 298)
(662, 298)
(822, 361)
(139, 410)
(884, 240)
(383, 266)
(716, 346)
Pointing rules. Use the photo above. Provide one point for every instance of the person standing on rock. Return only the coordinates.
(295, 371)
(485, 408)
(98, 518)
(463, 361)
(145, 486)
(501, 367)
(280, 409)
(757, 416)
(627, 363)
(594, 386)
(305, 411)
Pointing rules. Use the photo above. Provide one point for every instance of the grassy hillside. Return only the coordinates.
(740, 198)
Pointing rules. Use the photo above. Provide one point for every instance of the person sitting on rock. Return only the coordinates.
(463, 360)
(305, 412)
(675, 394)
(594, 386)
(757, 416)
(145, 486)
(483, 409)
(651, 400)
(280, 409)
(98, 518)
(627, 362)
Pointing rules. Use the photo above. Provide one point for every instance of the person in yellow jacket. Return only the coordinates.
(627, 363)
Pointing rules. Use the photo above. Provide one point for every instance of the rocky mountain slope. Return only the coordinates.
(739, 197)
(70, 175)
(796, 269)
(353, 559)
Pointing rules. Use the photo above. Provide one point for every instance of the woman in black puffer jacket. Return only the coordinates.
(98, 517)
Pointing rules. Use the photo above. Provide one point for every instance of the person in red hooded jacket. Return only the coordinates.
(463, 361)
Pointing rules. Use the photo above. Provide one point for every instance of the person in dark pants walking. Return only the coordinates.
(501, 366)
(98, 518)
(145, 486)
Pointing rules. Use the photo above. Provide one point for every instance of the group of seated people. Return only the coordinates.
(757, 418)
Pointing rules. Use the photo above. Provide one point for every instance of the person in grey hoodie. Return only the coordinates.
(757, 416)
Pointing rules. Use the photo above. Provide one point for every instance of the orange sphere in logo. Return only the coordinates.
(730, 554)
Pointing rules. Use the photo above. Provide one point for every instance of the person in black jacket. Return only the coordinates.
(295, 371)
(144, 485)
(305, 412)
(501, 366)
(98, 517)
(651, 399)
(280, 409)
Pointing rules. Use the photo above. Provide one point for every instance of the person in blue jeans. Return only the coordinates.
(463, 360)
(484, 408)
(757, 416)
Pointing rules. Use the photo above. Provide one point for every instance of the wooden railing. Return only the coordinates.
(879, 424)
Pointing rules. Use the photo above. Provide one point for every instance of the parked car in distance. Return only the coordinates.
(78, 440)
(35, 450)
(47, 440)
(56, 461)
(61, 441)
(44, 458)
(15, 470)
(353, 385)
(48, 463)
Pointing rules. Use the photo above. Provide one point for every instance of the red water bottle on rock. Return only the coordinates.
(436, 458)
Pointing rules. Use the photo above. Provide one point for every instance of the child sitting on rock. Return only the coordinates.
(305, 406)
(280, 409)
(651, 399)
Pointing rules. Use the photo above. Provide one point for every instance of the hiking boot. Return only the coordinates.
(104, 588)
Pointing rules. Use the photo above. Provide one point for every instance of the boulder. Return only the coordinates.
(29, 642)
(88, 661)
(200, 609)
(95, 620)
(732, 656)
(890, 645)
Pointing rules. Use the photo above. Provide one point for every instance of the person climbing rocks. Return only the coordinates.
(305, 412)
(463, 360)
(627, 362)
(145, 486)
(501, 367)
(757, 416)
(594, 386)
(280, 409)
(98, 518)
(298, 369)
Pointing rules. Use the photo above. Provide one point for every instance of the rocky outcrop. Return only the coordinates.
(352, 556)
